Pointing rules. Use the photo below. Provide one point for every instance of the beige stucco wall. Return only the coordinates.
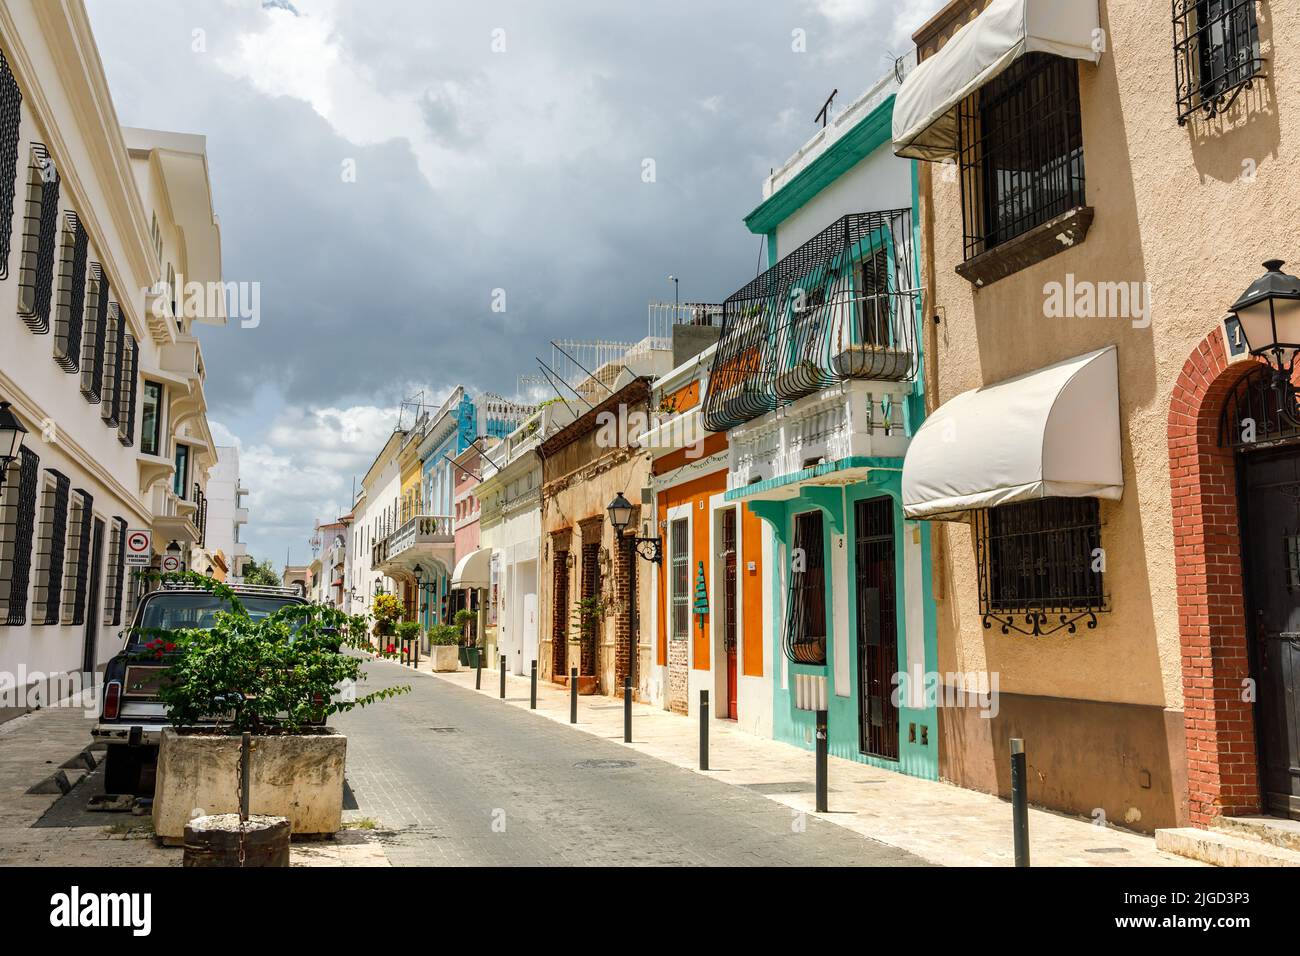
(1193, 212)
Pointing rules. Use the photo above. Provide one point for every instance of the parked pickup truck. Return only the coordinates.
(132, 717)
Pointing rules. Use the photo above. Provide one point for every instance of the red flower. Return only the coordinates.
(390, 649)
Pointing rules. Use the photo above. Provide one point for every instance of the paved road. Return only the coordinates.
(455, 778)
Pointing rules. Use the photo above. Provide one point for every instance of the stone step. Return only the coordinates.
(1274, 830)
(1222, 848)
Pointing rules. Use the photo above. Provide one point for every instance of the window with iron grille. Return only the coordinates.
(71, 294)
(40, 236)
(805, 618)
(129, 388)
(77, 571)
(1041, 565)
(93, 334)
(1216, 54)
(1020, 150)
(110, 390)
(681, 582)
(51, 544)
(17, 530)
(116, 573)
(11, 108)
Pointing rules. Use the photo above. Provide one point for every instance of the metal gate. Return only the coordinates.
(877, 627)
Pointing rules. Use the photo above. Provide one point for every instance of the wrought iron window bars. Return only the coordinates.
(40, 235)
(1216, 54)
(71, 296)
(841, 306)
(1038, 565)
(11, 102)
(805, 619)
(17, 531)
(1261, 410)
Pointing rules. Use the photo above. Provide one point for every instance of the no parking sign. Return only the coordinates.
(171, 563)
(139, 548)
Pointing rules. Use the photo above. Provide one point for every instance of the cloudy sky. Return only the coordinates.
(381, 168)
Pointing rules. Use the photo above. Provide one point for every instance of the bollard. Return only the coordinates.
(573, 695)
(503, 677)
(478, 672)
(822, 744)
(245, 761)
(627, 709)
(532, 694)
(416, 648)
(1019, 801)
(704, 730)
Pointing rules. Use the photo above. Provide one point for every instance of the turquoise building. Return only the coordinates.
(817, 383)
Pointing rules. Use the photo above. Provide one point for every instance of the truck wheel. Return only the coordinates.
(122, 769)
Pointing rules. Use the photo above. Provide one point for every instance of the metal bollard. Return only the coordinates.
(1019, 801)
(532, 695)
(627, 709)
(822, 745)
(573, 695)
(503, 677)
(704, 730)
(478, 671)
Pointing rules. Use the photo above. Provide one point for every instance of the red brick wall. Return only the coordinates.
(1222, 765)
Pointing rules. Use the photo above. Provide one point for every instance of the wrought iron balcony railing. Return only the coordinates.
(841, 306)
(421, 529)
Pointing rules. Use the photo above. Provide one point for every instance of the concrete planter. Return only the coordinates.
(297, 776)
(445, 657)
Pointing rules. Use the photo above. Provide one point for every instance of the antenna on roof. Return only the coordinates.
(826, 108)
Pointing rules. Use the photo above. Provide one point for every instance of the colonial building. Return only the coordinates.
(1108, 472)
(227, 512)
(99, 361)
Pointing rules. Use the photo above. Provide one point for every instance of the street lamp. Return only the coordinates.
(11, 439)
(419, 587)
(620, 516)
(1269, 313)
(677, 289)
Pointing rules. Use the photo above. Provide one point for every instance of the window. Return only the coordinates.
(108, 388)
(681, 583)
(11, 104)
(181, 478)
(94, 326)
(17, 529)
(151, 418)
(1040, 564)
(77, 567)
(116, 573)
(51, 545)
(40, 235)
(805, 621)
(1216, 54)
(1020, 148)
(71, 294)
(129, 364)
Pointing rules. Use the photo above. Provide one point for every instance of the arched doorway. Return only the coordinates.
(1230, 460)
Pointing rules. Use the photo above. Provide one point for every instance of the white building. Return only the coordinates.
(227, 513)
(98, 357)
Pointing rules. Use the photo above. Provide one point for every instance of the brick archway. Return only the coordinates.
(1222, 762)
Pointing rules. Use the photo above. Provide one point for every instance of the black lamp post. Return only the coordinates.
(1269, 313)
(11, 440)
(419, 588)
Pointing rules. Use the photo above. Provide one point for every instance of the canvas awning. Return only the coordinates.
(925, 109)
(1051, 432)
(472, 570)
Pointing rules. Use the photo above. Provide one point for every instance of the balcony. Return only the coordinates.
(425, 540)
(241, 516)
(843, 307)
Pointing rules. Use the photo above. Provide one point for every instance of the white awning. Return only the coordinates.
(473, 569)
(925, 117)
(1052, 432)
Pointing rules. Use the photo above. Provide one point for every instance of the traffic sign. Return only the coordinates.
(139, 548)
(171, 563)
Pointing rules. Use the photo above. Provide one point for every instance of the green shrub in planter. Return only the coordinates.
(408, 631)
(444, 635)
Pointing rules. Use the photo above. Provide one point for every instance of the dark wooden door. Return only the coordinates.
(93, 612)
(877, 627)
(1271, 502)
(729, 605)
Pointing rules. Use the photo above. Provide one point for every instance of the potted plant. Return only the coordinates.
(588, 613)
(463, 620)
(278, 678)
(407, 632)
(444, 641)
(388, 611)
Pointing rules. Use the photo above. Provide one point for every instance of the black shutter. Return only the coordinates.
(72, 295)
(11, 109)
(58, 542)
(24, 532)
(95, 335)
(40, 237)
(118, 572)
(109, 390)
(83, 558)
(129, 387)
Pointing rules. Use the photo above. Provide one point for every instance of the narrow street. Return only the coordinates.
(436, 768)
